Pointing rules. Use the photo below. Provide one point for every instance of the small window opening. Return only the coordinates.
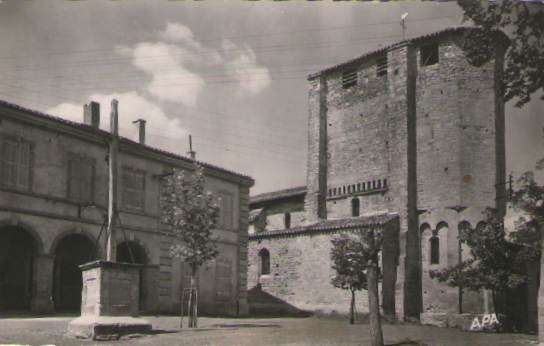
(265, 262)
(353, 188)
(381, 66)
(363, 186)
(287, 220)
(334, 191)
(429, 54)
(435, 250)
(349, 79)
(344, 190)
(379, 184)
(385, 183)
(330, 192)
(369, 185)
(359, 187)
(373, 184)
(355, 206)
(349, 187)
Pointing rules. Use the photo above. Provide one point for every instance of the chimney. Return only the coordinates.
(114, 122)
(191, 152)
(91, 114)
(139, 131)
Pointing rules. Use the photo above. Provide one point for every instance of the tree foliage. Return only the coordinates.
(494, 263)
(191, 216)
(350, 263)
(523, 23)
(355, 258)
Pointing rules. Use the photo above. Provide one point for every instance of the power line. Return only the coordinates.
(239, 37)
(200, 144)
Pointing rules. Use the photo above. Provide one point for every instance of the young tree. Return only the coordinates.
(491, 266)
(352, 255)
(191, 216)
(523, 22)
(349, 261)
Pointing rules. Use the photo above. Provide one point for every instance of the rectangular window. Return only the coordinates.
(133, 190)
(80, 180)
(429, 54)
(223, 276)
(381, 66)
(226, 209)
(16, 164)
(349, 78)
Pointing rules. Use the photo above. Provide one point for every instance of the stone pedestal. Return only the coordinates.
(42, 283)
(109, 302)
(150, 289)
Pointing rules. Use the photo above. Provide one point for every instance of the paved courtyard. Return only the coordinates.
(273, 331)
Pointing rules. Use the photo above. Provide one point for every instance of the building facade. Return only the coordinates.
(411, 134)
(53, 203)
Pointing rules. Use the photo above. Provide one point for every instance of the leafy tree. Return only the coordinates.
(523, 21)
(191, 216)
(352, 255)
(493, 264)
(349, 261)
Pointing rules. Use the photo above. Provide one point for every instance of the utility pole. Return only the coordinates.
(112, 186)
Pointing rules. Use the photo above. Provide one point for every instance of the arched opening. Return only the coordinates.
(435, 250)
(264, 257)
(355, 207)
(140, 257)
(72, 251)
(138, 252)
(287, 220)
(17, 248)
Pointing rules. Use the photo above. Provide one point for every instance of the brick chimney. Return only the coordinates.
(139, 131)
(91, 114)
(191, 153)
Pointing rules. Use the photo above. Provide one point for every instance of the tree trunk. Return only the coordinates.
(376, 335)
(193, 301)
(352, 318)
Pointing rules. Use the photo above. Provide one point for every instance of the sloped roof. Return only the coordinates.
(123, 139)
(445, 32)
(268, 196)
(330, 225)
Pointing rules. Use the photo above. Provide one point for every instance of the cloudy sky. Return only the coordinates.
(230, 73)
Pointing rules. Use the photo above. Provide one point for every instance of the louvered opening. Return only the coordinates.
(349, 78)
(381, 66)
(429, 54)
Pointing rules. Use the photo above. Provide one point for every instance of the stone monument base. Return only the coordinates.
(107, 328)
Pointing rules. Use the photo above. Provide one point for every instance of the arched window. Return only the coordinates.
(355, 206)
(334, 191)
(435, 250)
(287, 220)
(265, 262)
(379, 184)
(385, 183)
(363, 186)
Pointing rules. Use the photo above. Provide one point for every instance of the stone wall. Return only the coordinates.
(48, 213)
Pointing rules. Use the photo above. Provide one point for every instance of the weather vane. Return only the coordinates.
(402, 24)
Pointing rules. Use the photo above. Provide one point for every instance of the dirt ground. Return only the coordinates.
(250, 331)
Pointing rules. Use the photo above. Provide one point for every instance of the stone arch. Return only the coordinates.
(98, 250)
(40, 248)
(425, 227)
(123, 254)
(481, 225)
(18, 247)
(137, 240)
(71, 250)
(264, 262)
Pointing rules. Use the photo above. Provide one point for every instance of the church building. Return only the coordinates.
(408, 139)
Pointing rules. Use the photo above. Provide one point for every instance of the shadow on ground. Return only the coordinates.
(262, 304)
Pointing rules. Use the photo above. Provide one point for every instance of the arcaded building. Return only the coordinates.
(53, 202)
(408, 139)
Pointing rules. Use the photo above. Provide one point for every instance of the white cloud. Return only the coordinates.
(252, 78)
(174, 62)
(161, 132)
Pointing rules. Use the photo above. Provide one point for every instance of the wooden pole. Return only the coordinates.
(112, 186)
